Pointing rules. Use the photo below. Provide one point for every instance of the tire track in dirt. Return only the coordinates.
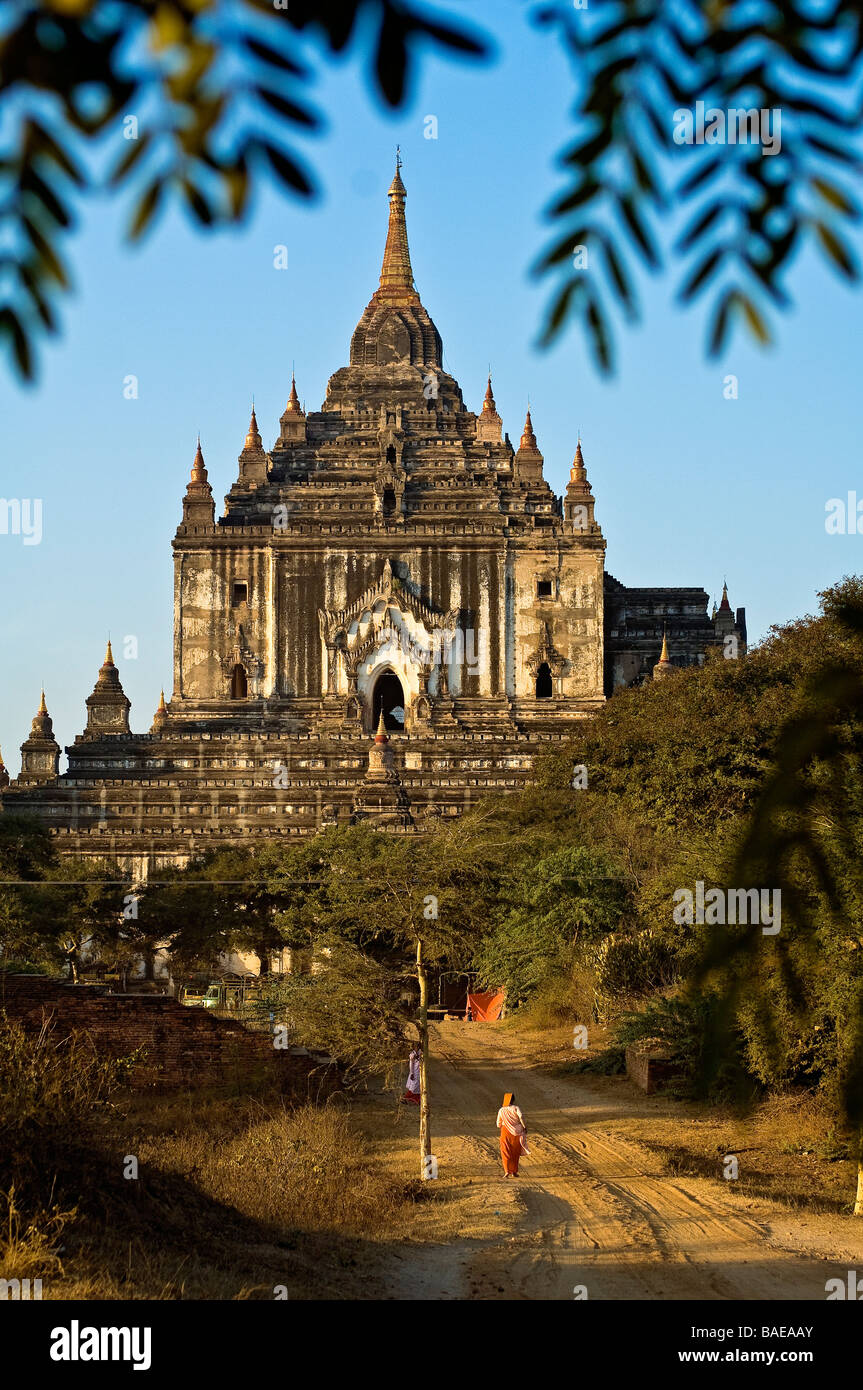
(592, 1210)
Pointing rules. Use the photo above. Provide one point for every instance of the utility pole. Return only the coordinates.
(423, 1027)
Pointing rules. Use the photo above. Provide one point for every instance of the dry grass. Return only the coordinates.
(237, 1192)
(30, 1244)
(788, 1151)
(233, 1196)
(302, 1168)
(233, 1199)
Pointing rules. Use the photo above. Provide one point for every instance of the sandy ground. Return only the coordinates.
(591, 1209)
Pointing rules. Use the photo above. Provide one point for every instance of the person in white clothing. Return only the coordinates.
(412, 1085)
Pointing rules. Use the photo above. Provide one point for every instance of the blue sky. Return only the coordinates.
(690, 487)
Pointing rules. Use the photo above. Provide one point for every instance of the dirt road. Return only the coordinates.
(591, 1210)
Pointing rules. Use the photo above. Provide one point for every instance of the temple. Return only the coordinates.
(392, 616)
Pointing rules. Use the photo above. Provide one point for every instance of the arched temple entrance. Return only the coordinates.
(390, 698)
(544, 686)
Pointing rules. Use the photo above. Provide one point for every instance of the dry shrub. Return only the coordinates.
(567, 999)
(302, 1169)
(29, 1244)
(50, 1087)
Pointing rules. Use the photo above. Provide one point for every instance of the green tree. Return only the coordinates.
(352, 1006)
(799, 994)
(402, 900)
(217, 904)
(26, 857)
(81, 912)
(560, 904)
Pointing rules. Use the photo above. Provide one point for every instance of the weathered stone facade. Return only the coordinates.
(392, 563)
(637, 620)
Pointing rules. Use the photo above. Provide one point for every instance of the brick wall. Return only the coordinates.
(650, 1068)
(183, 1046)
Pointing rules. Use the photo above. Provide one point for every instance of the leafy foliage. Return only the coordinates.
(220, 903)
(802, 999)
(566, 900)
(203, 97)
(220, 90)
(745, 214)
(684, 1026)
(355, 1008)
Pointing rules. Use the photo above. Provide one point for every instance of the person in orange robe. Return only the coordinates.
(513, 1135)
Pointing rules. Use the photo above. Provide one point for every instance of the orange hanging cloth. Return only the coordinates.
(486, 1008)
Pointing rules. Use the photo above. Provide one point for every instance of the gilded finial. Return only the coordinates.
(109, 655)
(528, 438)
(253, 436)
(663, 666)
(43, 708)
(381, 735)
(162, 702)
(199, 471)
(396, 271)
(293, 407)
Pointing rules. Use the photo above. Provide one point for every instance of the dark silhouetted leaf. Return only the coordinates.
(288, 171)
(48, 257)
(837, 251)
(289, 109)
(630, 214)
(11, 328)
(701, 274)
(136, 151)
(146, 209)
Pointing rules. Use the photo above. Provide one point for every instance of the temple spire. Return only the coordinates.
(489, 426)
(663, 666)
(395, 327)
(528, 438)
(198, 506)
(292, 424)
(293, 406)
(253, 434)
(199, 470)
(108, 706)
(381, 735)
(40, 753)
(160, 718)
(396, 271)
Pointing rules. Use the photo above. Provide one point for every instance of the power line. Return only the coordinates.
(151, 883)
